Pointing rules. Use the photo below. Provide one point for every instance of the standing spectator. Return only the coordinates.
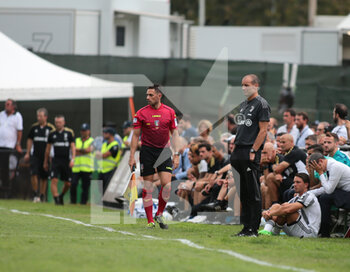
(127, 133)
(188, 131)
(11, 127)
(335, 188)
(251, 134)
(36, 146)
(205, 127)
(110, 155)
(289, 124)
(62, 140)
(83, 165)
(272, 127)
(340, 112)
(321, 128)
(301, 121)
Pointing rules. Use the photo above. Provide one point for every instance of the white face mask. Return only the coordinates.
(249, 91)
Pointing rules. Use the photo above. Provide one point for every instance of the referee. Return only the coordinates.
(62, 140)
(156, 122)
(252, 121)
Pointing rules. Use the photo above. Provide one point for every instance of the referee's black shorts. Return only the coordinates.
(60, 169)
(152, 158)
(37, 167)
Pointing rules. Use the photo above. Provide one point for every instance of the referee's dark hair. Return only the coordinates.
(155, 87)
(206, 145)
(304, 177)
(341, 110)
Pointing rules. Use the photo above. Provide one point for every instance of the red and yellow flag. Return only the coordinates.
(131, 193)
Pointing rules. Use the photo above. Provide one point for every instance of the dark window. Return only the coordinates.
(120, 36)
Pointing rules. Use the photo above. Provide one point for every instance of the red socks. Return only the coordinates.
(163, 198)
(148, 204)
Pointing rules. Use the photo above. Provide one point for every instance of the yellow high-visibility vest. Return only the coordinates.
(83, 163)
(109, 163)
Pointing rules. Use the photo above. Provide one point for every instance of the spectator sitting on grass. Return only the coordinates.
(299, 217)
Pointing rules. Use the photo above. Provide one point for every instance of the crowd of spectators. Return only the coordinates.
(294, 153)
(208, 182)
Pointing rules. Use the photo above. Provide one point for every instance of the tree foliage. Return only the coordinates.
(258, 12)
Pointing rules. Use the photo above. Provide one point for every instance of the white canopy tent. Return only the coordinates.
(25, 76)
(345, 24)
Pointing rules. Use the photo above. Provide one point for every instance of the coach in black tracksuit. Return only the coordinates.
(252, 121)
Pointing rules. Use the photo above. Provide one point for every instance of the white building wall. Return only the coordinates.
(270, 44)
(87, 26)
(71, 22)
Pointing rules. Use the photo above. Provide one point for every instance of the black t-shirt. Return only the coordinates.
(61, 142)
(297, 162)
(278, 159)
(39, 135)
(251, 113)
(214, 165)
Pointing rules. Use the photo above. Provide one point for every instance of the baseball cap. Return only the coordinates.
(85, 126)
(109, 130)
(126, 124)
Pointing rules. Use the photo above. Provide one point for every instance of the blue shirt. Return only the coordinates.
(184, 164)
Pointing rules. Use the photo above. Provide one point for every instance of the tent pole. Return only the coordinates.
(132, 106)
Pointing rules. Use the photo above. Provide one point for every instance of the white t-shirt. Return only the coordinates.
(311, 211)
(203, 166)
(341, 131)
(338, 176)
(9, 125)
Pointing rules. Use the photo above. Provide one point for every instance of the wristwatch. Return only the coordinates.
(176, 154)
(252, 150)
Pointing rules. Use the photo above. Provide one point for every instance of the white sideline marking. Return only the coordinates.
(183, 241)
(123, 238)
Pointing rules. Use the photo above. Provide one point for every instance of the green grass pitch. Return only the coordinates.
(32, 242)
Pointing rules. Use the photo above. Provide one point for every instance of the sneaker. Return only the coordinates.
(265, 232)
(251, 233)
(151, 225)
(36, 199)
(160, 220)
(242, 232)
